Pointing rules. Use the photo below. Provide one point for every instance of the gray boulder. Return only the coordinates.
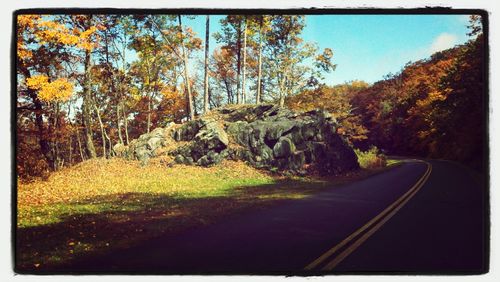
(283, 148)
(265, 136)
(205, 144)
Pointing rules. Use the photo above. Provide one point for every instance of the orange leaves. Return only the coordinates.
(336, 100)
(431, 98)
(27, 21)
(169, 94)
(174, 103)
(58, 90)
(22, 52)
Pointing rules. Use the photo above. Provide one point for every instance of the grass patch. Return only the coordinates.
(393, 162)
(102, 205)
(371, 158)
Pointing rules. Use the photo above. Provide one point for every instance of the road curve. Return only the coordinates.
(420, 217)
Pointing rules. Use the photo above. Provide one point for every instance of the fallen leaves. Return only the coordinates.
(103, 205)
(100, 177)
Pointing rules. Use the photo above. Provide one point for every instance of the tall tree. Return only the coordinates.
(205, 92)
(187, 81)
(83, 23)
(238, 62)
(231, 37)
(288, 72)
(243, 86)
(45, 47)
(222, 70)
(259, 71)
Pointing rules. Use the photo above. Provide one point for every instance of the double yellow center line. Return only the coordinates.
(370, 227)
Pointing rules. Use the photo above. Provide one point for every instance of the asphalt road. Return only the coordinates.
(420, 217)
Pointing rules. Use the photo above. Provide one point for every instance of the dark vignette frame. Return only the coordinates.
(302, 11)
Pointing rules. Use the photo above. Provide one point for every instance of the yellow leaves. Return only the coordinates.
(50, 31)
(87, 33)
(423, 134)
(169, 94)
(37, 81)
(25, 23)
(432, 97)
(135, 94)
(436, 95)
(85, 40)
(102, 177)
(359, 84)
(27, 20)
(86, 45)
(23, 53)
(58, 90)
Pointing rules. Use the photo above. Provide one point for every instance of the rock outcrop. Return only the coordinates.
(265, 136)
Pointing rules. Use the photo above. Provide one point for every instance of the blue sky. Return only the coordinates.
(367, 47)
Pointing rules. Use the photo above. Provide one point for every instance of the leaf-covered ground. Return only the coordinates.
(101, 205)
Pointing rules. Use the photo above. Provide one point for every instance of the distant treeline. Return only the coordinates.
(433, 108)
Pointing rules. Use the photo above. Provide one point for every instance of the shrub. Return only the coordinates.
(371, 158)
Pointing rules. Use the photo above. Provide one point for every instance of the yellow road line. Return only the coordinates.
(367, 235)
(330, 252)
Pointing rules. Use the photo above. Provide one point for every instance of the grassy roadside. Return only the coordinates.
(101, 205)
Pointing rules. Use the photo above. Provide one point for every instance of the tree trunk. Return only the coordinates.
(87, 127)
(149, 114)
(207, 39)
(122, 90)
(113, 91)
(243, 92)
(55, 145)
(125, 120)
(102, 130)
(229, 93)
(118, 122)
(44, 144)
(259, 70)
(70, 157)
(186, 72)
(282, 90)
(282, 100)
(79, 145)
(238, 67)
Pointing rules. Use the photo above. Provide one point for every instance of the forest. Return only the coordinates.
(86, 83)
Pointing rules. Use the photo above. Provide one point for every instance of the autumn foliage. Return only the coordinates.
(86, 83)
(89, 82)
(433, 108)
(337, 101)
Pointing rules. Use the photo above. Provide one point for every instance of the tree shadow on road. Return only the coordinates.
(105, 224)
